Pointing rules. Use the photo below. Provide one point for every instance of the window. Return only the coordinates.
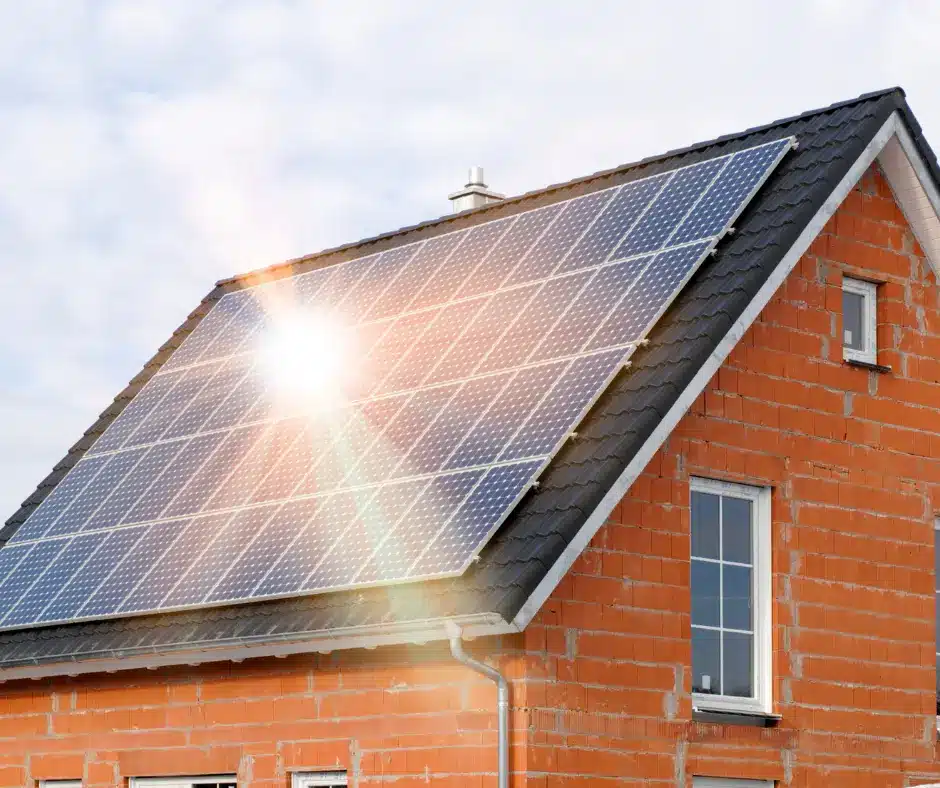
(209, 781)
(859, 325)
(60, 784)
(319, 780)
(730, 588)
(723, 782)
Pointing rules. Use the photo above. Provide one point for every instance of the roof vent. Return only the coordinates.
(474, 194)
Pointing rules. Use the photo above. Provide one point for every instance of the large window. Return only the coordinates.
(730, 588)
(859, 322)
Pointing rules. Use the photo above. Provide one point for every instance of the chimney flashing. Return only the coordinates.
(474, 194)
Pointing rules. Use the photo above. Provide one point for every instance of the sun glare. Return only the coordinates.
(308, 356)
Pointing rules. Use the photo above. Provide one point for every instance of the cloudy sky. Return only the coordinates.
(150, 147)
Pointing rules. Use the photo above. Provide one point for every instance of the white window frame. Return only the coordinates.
(60, 784)
(729, 782)
(762, 655)
(317, 779)
(869, 293)
(180, 782)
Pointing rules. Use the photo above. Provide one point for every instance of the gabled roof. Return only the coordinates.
(536, 545)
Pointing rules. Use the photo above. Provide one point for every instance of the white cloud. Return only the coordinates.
(149, 148)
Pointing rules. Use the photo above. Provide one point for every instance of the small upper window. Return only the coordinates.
(730, 589)
(60, 784)
(859, 326)
(724, 782)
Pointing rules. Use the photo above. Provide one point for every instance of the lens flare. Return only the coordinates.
(308, 358)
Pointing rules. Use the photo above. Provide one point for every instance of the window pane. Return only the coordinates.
(852, 320)
(736, 530)
(705, 594)
(739, 669)
(704, 525)
(737, 597)
(706, 673)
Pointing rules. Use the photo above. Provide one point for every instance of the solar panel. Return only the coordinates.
(476, 353)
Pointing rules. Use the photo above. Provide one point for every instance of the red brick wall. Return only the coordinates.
(602, 676)
(853, 457)
(411, 715)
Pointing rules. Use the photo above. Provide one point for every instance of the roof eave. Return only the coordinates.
(195, 653)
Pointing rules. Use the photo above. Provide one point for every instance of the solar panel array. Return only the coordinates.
(477, 353)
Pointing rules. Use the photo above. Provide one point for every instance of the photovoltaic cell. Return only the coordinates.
(356, 543)
(106, 485)
(58, 573)
(206, 331)
(148, 551)
(446, 280)
(208, 567)
(479, 515)
(477, 354)
(134, 414)
(184, 466)
(558, 410)
(65, 492)
(588, 309)
(527, 329)
(433, 509)
(414, 274)
(291, 569)
(616, 221)
(669, 208)
(272, 541)
(172, 566)
(92, 574)
(28, 571)
(203, 484)
(512, 247)
(542, 259)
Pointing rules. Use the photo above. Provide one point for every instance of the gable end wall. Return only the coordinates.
(853, 460)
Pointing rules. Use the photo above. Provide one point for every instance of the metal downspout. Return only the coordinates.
(502, 700)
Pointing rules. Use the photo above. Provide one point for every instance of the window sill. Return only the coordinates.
(748, 718)
(857, 362)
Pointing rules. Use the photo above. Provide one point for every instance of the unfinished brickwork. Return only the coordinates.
(601, 678)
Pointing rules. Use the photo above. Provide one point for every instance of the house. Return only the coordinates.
(721, 577)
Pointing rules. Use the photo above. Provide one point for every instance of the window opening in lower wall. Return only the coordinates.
(206, 781)
(729, 782)
(319, 780)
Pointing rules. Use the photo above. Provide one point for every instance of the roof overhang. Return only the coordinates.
(325, 642)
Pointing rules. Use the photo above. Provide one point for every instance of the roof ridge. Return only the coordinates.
(639, 163)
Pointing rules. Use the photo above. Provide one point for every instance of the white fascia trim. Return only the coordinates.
(369, 637)
(667, 424)
(914, 190)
